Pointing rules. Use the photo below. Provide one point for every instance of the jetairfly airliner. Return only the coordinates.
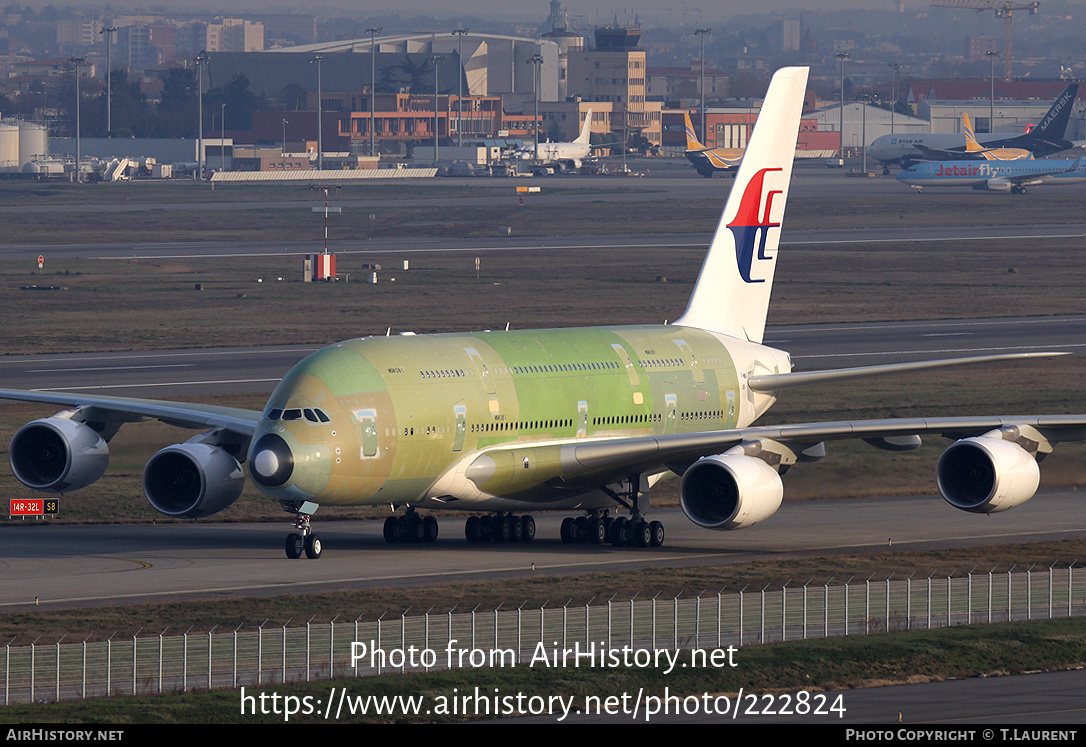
(995, 176)
(585, 421)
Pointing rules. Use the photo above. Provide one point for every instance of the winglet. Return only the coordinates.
(732, 292)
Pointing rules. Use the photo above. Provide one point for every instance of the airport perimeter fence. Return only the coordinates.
(511, 637)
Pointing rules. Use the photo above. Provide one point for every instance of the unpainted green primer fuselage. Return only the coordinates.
(405, 411)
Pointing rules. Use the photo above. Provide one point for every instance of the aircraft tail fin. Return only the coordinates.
(971, 144)
(692, 142)
(1054, 124)
(732, 293)
(586, 130)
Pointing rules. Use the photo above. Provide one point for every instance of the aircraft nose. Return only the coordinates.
(271, 462)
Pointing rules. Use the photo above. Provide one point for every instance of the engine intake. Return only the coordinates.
(58, 455)
(730, 491)
(192, 480)
(985, 475)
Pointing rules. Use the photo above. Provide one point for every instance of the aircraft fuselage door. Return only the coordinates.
(367, 423)
(695, 367)
(484, 372)
(461, 414)
(582, 419)
(671, 405)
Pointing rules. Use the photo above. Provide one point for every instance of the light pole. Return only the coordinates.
(435, 60)
(701, 85)
(76, 62)
(893, 94)
(320, 128)
(201, 61)
(841, 57)
(373, 31)
(991, 102)
(537, 60)
(222, 137)
(284, 137)
(108, 31)
(459, 84)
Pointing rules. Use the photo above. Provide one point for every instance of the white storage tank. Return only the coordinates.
(9, 147)
(33, 142)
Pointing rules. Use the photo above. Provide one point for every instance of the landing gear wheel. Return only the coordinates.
(472, 529)
(527, 528)
(313, 546)
(517, 529)
(294, 546)
(620, 534)
(390, 529)
(567, 530)
(657, 531)
(504, 529)
(642, 534)
(429, 529)
(597, 531)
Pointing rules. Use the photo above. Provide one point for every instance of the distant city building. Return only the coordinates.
(784, 35)
(234, 35)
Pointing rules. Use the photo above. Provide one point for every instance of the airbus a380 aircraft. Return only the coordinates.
(579, 420)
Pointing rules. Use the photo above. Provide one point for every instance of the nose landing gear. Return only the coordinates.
(305, 539)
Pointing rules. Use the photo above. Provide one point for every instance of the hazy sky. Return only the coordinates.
(690, 11)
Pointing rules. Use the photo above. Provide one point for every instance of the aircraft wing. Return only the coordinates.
(127, 410)
(591, 464)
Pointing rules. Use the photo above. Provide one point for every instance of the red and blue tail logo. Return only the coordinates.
(748, 229)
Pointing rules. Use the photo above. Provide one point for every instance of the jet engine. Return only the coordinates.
(730, 491)
(994, 185)
(57, 455)
(192, 480)
(984, 475)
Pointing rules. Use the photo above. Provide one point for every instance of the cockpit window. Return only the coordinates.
(323, 418)
(292, 415)
(310, 415)
(275, 414)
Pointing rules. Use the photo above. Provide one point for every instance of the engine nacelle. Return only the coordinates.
(994, 185)
(984, 475)
(192, 480)
(730, 491)
(57, 455)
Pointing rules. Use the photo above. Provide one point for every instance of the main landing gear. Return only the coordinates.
(410, 528)
(305, 539)
(500, 528)
(597, 527)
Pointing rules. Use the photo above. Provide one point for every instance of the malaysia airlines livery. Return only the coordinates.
(581, 420)
(708, 161)
(995, 176)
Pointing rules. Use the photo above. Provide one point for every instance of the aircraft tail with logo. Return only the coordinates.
(732, 293)
(692, 142)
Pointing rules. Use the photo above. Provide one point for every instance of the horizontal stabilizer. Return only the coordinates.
(776, 382)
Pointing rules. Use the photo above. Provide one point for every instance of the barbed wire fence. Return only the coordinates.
(264, 655)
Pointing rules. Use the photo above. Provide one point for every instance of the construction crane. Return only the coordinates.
(1003, 9)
